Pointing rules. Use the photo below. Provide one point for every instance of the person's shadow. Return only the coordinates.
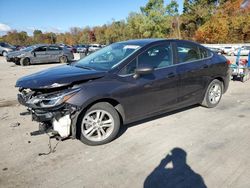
(178, 175)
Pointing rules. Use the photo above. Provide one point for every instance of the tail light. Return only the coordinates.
(229, 62)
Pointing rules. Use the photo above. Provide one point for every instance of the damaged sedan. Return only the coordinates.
(123, 83)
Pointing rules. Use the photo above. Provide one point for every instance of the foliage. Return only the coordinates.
(206, 21)
(229, 24)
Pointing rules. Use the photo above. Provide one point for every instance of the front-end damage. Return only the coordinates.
(50, 108)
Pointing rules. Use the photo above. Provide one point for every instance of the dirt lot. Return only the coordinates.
(216, 143)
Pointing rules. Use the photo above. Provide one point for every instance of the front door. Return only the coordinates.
(40, 55)
(153, 92)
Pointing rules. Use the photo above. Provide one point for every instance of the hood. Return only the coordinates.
(58, 77)
(16, 53)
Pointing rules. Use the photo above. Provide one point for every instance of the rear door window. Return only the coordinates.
(188, 52)
(54, 48)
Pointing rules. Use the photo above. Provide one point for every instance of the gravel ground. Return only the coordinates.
(213, 147)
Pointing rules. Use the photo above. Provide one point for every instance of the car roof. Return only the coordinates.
(141, 42)
(144, 42)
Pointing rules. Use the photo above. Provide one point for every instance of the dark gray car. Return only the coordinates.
(41, 53)
(123, 83)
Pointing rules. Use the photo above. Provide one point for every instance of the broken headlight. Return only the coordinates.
(51, 100)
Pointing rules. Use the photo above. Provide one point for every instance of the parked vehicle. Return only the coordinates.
(70, 48)
(41, 53)
(94, 47)
(122, 83)
(19, 47)
(5, 48)
(216, 50)
(228, 49)
(244, 50)
(82, 48)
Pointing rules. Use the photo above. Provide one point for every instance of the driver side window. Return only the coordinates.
(157, 57)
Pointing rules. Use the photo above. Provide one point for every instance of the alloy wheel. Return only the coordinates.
(215, 93)
(97, 125)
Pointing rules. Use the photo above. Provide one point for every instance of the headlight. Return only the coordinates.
(52, 100)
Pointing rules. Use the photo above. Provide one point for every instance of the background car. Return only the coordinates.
(244, 51)
(82, 48)
(216, 50)
(228, 49)
(41, 53)
(5, 48)
(94, 47)
(71, 48)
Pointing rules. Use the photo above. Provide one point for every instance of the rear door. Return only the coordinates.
(153, 92)
(193, 69)
(53, 53)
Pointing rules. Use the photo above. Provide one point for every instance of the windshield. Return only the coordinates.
(108, 57)
(30, 48)
(6, 45)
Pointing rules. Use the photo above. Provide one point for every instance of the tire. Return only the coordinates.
(213, 94)
(4, 53)
(63, 59)
(93, 130)
(25, 61)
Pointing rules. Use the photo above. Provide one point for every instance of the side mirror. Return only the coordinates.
(143, 71)
(33, 53)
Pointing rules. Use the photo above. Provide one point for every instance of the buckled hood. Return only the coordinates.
(57, 77)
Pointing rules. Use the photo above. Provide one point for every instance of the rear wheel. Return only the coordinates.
(213, 94)
(25, 61)
(63, 59)
(100, 124)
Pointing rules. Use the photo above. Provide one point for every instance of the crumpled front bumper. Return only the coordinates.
(61, 119)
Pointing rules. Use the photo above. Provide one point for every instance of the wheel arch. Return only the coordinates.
(222, 80)
(3, 52)
(116, 104)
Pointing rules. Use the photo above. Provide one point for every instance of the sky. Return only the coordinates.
(59, 15)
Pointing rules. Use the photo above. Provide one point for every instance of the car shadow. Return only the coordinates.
(124, 128)
(174, 172)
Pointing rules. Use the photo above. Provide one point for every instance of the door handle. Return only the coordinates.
(171, 75)
(204, 66)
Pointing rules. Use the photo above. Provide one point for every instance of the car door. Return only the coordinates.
(193, 69)
(40, 55)
(153, 92)
(53, 53)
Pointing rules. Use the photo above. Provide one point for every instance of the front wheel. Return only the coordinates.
(4, 53)
(213, 94)
(25, 61)
(100, 124)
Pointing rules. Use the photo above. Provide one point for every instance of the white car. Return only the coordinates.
(244, 51)
(228, 50)
(94, 47)
(81, 48)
